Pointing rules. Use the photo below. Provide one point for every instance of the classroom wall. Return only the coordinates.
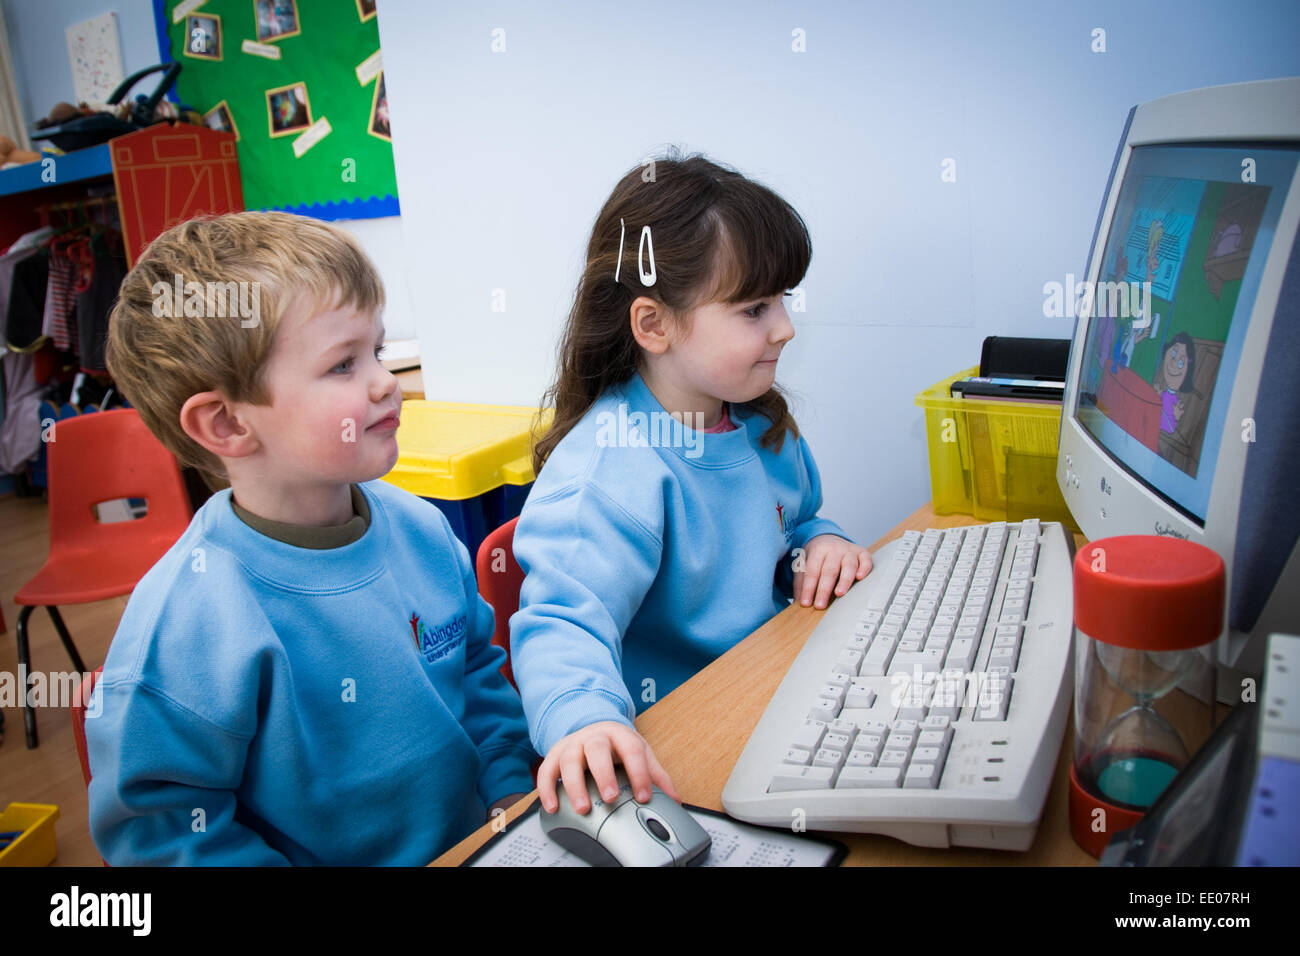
(44, 77)
(504, 158)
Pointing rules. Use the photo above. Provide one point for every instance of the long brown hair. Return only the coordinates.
(717, 237)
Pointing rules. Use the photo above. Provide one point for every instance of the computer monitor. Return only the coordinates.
(1182, 403)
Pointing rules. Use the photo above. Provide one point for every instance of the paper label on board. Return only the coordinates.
(314, 134)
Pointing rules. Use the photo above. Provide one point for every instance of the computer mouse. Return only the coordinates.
(622, 832)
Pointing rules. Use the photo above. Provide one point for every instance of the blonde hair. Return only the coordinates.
(160, 356)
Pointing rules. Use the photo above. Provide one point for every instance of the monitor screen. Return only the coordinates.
(1167, 318)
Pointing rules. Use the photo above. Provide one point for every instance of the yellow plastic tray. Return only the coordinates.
(453, 452)
(994, 460)
(36, 846)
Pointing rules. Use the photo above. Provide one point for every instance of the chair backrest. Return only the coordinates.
(106, 456)
(499, 581)
(79, 701)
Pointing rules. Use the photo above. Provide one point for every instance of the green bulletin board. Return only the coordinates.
(328, 68)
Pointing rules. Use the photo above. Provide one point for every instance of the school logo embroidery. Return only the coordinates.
(435, 643)
(784, 521)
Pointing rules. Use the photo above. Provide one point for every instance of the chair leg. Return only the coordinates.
(66, 638)
(25, 675)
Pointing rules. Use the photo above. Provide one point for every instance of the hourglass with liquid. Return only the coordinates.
(1144, 609)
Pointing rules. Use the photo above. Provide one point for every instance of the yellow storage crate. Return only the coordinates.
(475, 462)
(36, 845)
(991, 459)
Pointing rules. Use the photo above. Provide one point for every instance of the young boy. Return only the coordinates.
(307, 676)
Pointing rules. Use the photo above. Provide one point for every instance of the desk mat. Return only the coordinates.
(524, 843)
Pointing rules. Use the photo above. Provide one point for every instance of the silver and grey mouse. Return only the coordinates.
(623, 832)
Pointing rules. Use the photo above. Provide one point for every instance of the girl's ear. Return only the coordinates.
(652, 325)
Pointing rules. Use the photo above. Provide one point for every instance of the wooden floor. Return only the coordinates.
(51, 773)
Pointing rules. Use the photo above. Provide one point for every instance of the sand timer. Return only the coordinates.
(1145, 608)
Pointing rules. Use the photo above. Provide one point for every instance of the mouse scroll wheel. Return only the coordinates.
(658, 829)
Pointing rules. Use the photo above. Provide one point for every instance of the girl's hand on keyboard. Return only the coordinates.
(594, 747)
(829, 562)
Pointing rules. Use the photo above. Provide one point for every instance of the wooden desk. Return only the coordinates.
(411, 382)
(699, 730)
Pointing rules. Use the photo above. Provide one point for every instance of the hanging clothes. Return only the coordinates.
(95, 300)
(60, 298)
(20, 433)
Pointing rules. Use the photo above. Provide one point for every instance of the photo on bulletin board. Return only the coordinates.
(365, 9)
(203, 36)
(379, 125)
(277, 19)
(288, 109)
(219, 118)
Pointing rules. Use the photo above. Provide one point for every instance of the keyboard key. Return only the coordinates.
(802, 778)
(876, 728)
(948, 692)
(848, 662)
(837, 742)
(921, 776)
(860, 695)
(994, 698)
(903, 742)
(860, 758)
(829, 758)
(809, 736)
(846, 727)
(909, 662)
(825, 709)
(961, 654)
(893, 758)
(1004, 657)
(869, 743)
(933, 740)
(834, 690)
(798, 757)
(859, 643)
(870, 778)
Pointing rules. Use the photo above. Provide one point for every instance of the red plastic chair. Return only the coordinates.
(79, 719)
(79, 724)
(499, 580)
(95, 458)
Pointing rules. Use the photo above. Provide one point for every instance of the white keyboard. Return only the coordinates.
(930, 702)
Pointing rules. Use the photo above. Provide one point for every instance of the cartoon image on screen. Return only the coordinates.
(1153, 351)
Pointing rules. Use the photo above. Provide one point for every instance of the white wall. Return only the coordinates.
(504, 159)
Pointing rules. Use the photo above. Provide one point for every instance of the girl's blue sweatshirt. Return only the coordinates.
(649, 550)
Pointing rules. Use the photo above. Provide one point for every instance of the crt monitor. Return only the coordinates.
(1182, 402)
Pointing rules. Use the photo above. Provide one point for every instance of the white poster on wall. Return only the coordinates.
(95, 53)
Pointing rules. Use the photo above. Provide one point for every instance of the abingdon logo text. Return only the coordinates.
(213, 300)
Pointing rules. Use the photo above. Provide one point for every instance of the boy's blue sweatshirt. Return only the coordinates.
(650, 550)
(269, 704)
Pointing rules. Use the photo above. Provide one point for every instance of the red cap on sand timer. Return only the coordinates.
(1144, 606)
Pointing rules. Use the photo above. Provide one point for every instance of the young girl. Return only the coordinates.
(674, 493)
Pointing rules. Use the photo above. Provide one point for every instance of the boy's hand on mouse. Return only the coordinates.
(830, 562)
(594, 747)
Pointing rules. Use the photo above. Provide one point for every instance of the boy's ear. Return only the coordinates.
(209, 419)
(652, 326)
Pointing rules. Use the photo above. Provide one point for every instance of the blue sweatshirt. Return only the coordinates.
(269, 704)
(650, 550)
